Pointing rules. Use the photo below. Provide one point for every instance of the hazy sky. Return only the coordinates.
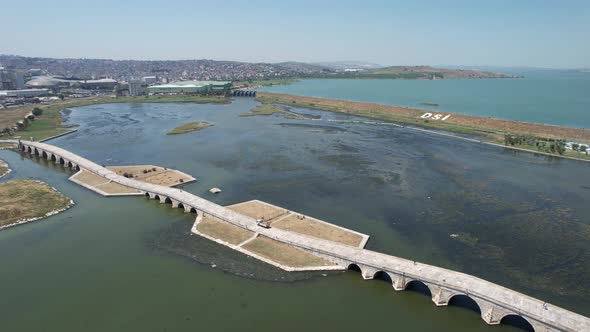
(445, 32)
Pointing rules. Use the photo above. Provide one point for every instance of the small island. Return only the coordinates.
(4, 169)
(189, 127)
(266, 109)
(429, 104)
(22, 201)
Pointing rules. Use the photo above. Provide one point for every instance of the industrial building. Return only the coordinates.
(11, 79)
(23, 93)
(137, 88)
(101, 84)
(191, 87)
(150, 80)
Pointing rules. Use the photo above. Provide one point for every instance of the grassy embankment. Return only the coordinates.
(493, 129)
(223, 231)
(49, 123)
(283, 253)
(189, 127)
(27, 199)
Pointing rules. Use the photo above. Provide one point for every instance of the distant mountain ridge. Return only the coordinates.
(429, 72)
(231, 70)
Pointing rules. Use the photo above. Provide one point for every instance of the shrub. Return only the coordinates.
(37, 111)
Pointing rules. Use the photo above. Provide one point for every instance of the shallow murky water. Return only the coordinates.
(131, 264)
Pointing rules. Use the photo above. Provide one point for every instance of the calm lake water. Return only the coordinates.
(130, 264)
(543, 96)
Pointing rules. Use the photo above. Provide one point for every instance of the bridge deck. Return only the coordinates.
(539, 314)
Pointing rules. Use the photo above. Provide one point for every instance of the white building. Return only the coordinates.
(23, 93)
(150, 79)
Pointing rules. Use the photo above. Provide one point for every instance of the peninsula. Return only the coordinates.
(23, 201)
(540, 138)
(413, 73)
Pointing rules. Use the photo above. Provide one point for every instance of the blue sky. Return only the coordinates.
(535, 33)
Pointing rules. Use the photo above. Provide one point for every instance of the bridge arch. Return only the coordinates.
(367, 272)
(156, 197)
(466, 302)
(383, 276)
(518, 321)
(180, 206)
(354, 267)
(167, 200)
(53, 158)
(193, 210)
(419, 287)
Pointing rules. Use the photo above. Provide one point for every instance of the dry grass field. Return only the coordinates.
(284, 254)
(89, 178)
(224, 231)
(311, 227)
(98, 182)
(26, 199)
(257, 210)
(115, 188)
(153, 174)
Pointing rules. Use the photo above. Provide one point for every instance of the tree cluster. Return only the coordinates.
(549, 145)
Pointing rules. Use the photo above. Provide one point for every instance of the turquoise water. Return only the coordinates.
(543, 96)
(130, 264)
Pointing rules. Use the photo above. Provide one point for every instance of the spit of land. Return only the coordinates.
(26, 200)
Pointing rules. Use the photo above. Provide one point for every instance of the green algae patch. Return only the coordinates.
(27, 200)
(189, 127)
(264, 109)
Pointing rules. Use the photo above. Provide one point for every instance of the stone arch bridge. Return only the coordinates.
(494, 301)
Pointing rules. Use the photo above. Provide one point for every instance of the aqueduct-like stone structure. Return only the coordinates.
(494, 301)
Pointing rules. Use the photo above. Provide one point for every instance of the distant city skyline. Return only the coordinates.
(503, 33)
